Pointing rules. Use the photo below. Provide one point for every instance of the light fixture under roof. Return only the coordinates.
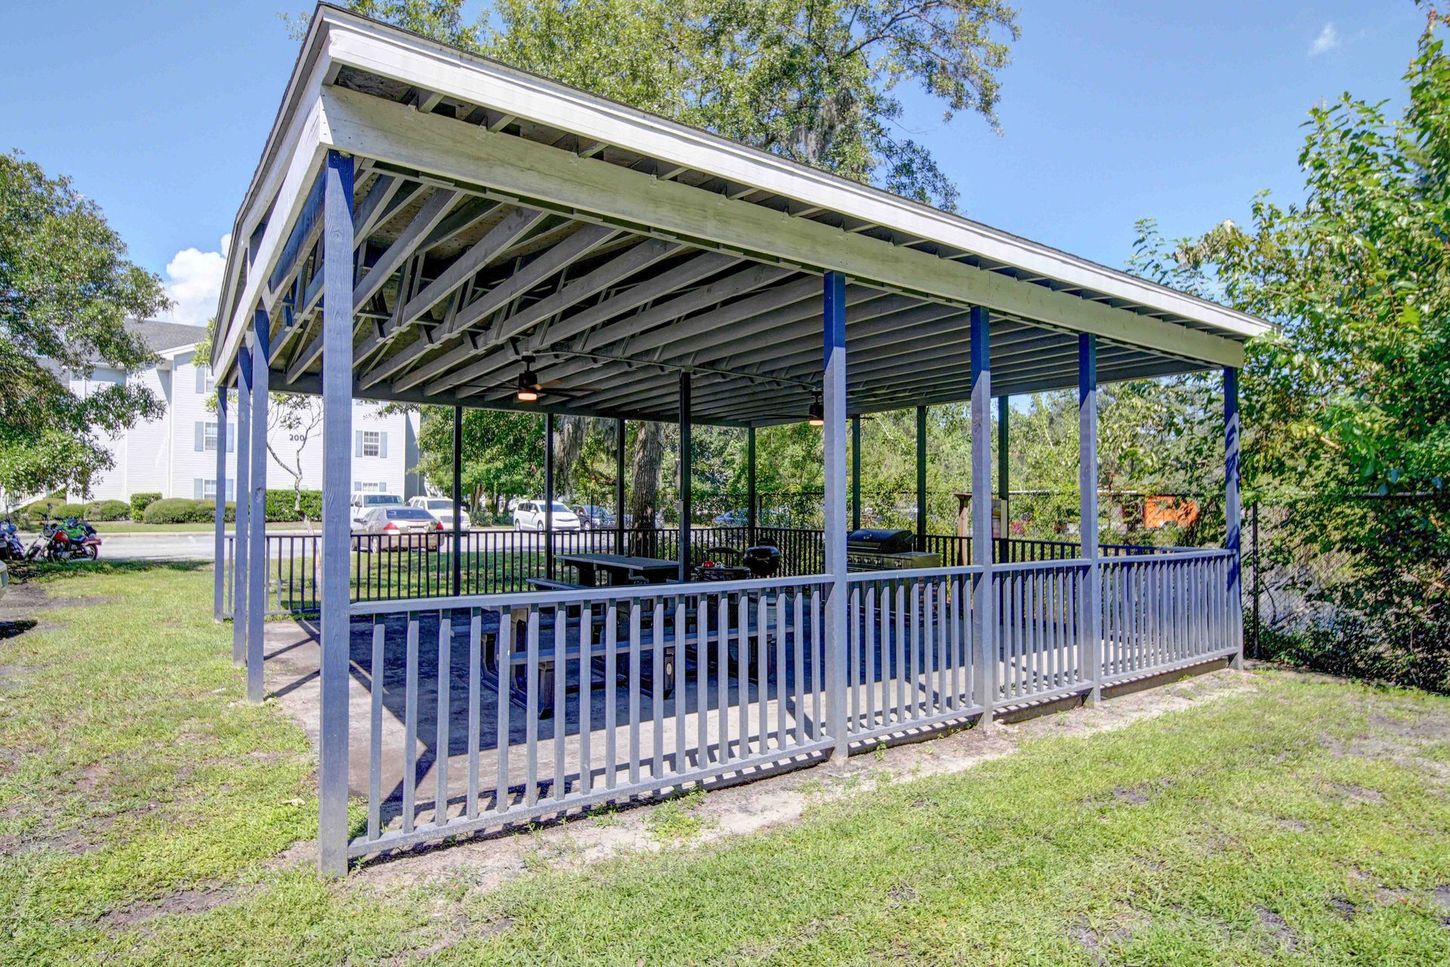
(528, 386)
(817, 412)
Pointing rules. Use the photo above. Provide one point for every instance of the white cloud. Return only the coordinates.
(194, 283)
(1327, 40)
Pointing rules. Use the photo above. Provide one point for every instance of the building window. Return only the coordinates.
(372, 443)
(370, 486)
(204, 381)
(206, 489)
(208, 441)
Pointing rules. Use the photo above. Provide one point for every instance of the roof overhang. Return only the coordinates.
(498, 214)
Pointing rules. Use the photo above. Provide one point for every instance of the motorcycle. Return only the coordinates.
(67, 540)
(11, 549)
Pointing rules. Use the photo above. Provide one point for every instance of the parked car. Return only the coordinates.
(442, 508)
(732, 518)
(529, 515)
(594, 517)
(390, 528)
(363, 502)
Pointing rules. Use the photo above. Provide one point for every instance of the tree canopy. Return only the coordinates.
(66, 291)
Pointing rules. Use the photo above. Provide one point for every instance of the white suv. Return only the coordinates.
(442, 508)
(364, 502)
(529, 515)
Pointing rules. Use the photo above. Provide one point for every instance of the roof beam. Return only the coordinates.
(391, 132)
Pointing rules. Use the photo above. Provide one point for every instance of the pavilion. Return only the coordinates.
(426, 225)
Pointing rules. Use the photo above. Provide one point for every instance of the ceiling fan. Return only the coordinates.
(527, 387)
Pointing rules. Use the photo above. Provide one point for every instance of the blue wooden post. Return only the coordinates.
(856, 472)
(256, 497)
(1091, 623)
(239, 529)
(219, 515)
(921, 478)
(833, 400)
(1004, 410)
(1233, 511)
(336, 525)
(984, 612)
(457, 585)
(687, 467)
(619, 441)
(752, 512)
(549, 495)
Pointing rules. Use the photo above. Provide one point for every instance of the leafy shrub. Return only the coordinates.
(102, 510)
(139, 503)
(34, 513)
(180, 510)
(281, 503)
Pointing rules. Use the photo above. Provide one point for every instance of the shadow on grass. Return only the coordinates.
(23, 571)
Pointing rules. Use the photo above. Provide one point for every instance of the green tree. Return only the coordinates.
(1352, 396)
(66, 291)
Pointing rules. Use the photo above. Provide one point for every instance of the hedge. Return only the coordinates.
(280, 505)
(181, 510)
(38, 511)
(103, 510)
(139, 503)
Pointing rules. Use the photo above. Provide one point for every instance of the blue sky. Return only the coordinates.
(1110, 112)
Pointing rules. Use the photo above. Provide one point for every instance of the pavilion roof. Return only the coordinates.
(499, 216)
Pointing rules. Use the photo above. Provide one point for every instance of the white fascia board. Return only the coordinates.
(436, 67)
(306, 151)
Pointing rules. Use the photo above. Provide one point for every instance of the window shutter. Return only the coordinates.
(382, 444)
(198, 483)
(231, 437)
(200, 436)
(357, 443)
(200, 377)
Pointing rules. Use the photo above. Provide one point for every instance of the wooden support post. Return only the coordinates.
(219, 515)
(337, 379)
(984, 611)
(856, 472)
(239, 529)
(1091, 620)
(687, 460)
(549, 495)
(258, 563)
(619, 440)
(458, 548)
(1004, 548)
(752, 510)
(1233, 511)
(834, 405)
(921, 478)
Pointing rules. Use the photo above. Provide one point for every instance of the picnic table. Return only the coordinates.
(620, 569)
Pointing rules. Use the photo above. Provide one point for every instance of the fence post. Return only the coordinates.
(1258, 574)
(219, 552)
(1232, 512)
(1087, 430)
(335, 614)
(752, 521)
(257, 514)
(241, 514)
(984, 631)
(834, 537)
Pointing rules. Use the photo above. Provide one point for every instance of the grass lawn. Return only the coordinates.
(146, 815)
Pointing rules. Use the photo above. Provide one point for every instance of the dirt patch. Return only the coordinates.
(903, 893)
(1132, 795)
(1277, 927)
(1349, 792)
(186, 901)
(1343, 906)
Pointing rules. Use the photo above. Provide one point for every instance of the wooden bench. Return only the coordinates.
(549, 584)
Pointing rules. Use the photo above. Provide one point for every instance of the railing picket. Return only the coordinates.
(611, 692)
(634, 662)
(375, 759)
(531, 722)
(561, 710)
(443, 716)
(475, 640)
(503, 649)
(586, 697)
(410, 722)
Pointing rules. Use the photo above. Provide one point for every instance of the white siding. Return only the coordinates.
(162, 455)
